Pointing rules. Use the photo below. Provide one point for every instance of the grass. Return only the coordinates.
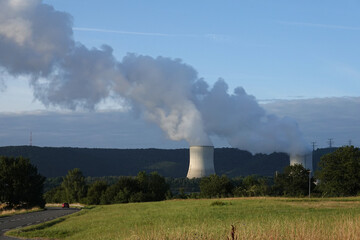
(72, 205)
(243, 218)
(9, 212)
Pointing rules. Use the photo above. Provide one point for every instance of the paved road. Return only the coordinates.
(27, 219)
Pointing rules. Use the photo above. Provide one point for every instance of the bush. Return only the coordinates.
(219, 203)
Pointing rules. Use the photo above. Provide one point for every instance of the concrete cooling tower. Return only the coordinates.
(201, 161)
(303, 159)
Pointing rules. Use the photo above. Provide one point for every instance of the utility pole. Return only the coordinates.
(330, 141)
(309, 183)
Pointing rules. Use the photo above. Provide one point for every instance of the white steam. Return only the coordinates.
(37, 41)
(239, 118)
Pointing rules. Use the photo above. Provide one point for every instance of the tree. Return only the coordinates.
(108, 197)
(153, 186)
(255, 186)
(293, 182)
(95, 191)
(215, 186)
(20, 183)
(74, 186)
(251, 185)
(55, 195)
(127, 189)
(339, 173)
(141, 188)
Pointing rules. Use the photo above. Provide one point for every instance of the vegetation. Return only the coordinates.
(216, 186)
(252, 218)
(340, 172)
(20, 184)
(293, 182)
(183, 185)
(74, 186)
(96, 191)
(142, 188)
(339, 176)
(247, 218)
(10, 212)
(54, 162)
(252, 185)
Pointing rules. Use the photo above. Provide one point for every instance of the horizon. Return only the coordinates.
(181, 148)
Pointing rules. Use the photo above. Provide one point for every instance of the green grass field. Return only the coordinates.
(253, 218)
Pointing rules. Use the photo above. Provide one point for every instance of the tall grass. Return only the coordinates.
(251, 218)
(10, 212)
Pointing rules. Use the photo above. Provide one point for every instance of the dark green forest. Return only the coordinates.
(22, 185)
(55, 162)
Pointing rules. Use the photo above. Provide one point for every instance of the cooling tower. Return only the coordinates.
(303, 159)
(201, 161)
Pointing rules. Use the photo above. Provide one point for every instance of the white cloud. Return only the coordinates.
(319, 119)
(82, 129)
(323, 118)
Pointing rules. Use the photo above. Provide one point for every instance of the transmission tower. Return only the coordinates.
(30, 138)
(330, 141)
(350, 142)
(313, 145)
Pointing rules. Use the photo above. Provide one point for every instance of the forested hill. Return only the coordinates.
(53, 162)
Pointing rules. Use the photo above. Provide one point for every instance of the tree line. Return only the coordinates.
(338, 176)
(142, 188)
(22, 186)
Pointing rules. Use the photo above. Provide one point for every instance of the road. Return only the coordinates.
(27, 219)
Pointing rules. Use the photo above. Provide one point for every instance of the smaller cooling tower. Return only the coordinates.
(303, 159)
(201, 161)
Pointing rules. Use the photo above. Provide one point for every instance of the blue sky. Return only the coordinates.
(275, 50)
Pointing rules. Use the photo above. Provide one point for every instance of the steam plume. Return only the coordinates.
(37, 41)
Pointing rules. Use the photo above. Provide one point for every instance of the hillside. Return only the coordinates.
(53, 162)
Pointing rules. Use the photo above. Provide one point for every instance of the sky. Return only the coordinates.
(298, 59)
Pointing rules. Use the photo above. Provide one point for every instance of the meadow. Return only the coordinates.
(234, 218)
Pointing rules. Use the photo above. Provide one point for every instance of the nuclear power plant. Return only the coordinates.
(201, 161)
(303, 159)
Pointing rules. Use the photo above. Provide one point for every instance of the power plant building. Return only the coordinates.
(305, 160)
(201, 161)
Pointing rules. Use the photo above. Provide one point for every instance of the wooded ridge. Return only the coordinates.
(56, 161)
